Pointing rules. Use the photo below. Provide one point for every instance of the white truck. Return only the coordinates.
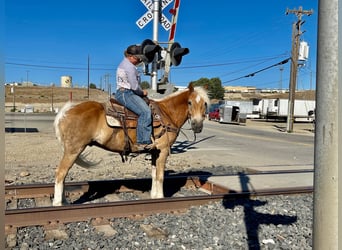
(304, 110)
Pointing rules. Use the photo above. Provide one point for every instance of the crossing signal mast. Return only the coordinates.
(158, 57)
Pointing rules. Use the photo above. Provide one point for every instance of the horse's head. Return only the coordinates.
(198, 103)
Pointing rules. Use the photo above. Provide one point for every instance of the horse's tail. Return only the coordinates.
(60, 116)
(82, 161)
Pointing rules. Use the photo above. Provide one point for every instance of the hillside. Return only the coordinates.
(39, 94)
(43, 98)
(300, 95)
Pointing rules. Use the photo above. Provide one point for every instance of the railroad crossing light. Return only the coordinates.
(177, 52)
(149, 49)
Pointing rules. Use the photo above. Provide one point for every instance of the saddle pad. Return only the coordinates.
(113, 122)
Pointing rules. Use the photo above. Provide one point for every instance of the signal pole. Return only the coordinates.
(296, 33)
(156, 17)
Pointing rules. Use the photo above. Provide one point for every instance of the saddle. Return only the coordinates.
(119, 116)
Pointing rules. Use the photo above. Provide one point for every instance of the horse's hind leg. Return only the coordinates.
(61, 172)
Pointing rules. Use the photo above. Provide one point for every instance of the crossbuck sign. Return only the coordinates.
(148, 16)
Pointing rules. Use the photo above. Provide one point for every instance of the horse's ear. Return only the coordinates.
(191, 87)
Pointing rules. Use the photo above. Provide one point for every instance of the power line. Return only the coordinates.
(186, 67)
(230, 63)
(256, 72)
(53, 67)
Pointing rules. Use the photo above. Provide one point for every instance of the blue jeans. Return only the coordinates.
(136, 104)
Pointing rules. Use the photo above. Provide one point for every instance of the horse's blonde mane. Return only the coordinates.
(199, 90)
(170, 95)
(203, 94)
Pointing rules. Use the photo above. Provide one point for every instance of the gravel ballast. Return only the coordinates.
(274, 222)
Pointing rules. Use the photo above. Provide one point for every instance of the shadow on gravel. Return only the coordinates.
(252, 218)
(172, 184)
(183, 146)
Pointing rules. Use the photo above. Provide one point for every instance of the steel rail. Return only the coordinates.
(85, 212)
(108, 186)
(56, 216)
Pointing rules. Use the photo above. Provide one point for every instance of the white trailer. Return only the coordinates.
(229, 114)
(260, 107)
(245, 107)
(304, 110)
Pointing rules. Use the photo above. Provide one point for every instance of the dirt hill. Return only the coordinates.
(39, 94)
(44, 98)
(300, 95)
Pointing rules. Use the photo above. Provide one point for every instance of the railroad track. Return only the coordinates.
(99, 201)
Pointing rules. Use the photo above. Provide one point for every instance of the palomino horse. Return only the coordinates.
(80, 125)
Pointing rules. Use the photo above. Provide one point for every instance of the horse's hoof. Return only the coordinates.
(59, 203)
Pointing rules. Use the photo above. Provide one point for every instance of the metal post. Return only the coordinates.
(171, 40)
(13, 91)
(52, 109)
(156, 12)
(328, 111)
(281, 68)
(27, 78)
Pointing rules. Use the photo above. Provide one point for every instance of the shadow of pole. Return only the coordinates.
(252, 218)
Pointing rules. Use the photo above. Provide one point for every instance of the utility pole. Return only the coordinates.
(88, 76)
(281, 68)
(296, 33)
(107, 83)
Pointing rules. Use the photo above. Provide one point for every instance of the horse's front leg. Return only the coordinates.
(158, 167)
(61, 172)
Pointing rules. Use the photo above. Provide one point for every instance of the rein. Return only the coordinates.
(181, 130)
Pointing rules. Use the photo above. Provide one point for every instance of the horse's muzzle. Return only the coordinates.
(196, 126)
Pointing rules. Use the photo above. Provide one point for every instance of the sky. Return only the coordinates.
(45, 40)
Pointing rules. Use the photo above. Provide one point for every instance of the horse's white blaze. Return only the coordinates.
(198, 98)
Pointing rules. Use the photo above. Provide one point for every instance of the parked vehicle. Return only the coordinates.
(214, 115)
(230, 114)
(245, 108)
(304, 110)
(260, 107)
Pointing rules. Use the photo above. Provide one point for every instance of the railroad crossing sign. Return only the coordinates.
(148, 16)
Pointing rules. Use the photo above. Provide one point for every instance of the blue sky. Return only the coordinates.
(45, 40)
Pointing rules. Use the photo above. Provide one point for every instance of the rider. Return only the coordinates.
(130, 94)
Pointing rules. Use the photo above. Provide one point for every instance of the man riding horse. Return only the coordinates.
(130, 94)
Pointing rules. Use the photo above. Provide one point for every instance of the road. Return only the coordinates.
(251, 145)
(29, 122)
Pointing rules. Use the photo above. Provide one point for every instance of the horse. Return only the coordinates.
(84, 124)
